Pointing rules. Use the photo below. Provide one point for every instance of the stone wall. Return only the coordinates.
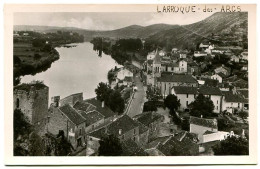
(33, 103)
(72, 99)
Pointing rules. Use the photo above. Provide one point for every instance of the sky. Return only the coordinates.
(105, 21)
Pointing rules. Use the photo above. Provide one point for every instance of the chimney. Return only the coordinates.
(201, 116)
(243, 133)
(120, 132)
(103, 104)
(55, 101)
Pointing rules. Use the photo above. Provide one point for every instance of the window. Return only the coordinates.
(134, 131)
(217, 107)
(123, 137)
(80, 132)
(194, 96)
(134, 139)
(238, 105)
(187, 103)
(217, 101)
(93, 127)
(187, 95)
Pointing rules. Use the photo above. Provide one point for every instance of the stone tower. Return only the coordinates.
(32, 100)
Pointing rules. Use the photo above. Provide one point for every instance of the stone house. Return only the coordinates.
(32, 100)
(72, 99)
(186, 95)
(124, 128)
(200, 54)
(233, 100)
(152, 121)
(223, 69)
(66, 118)
(166, 82)
(234, 58)
(218, 76)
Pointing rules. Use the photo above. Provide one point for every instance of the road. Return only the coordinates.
(137, 103)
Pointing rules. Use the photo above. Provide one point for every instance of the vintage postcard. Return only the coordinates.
(130, 84)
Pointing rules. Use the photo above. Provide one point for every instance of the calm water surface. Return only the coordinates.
(79, 69)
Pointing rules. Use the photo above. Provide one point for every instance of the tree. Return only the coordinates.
(21, 124)
(103, 91)
(243, 114)
(110, 146)
(149, 106)
(232, 146)
(201, 106)
(172, 102)
(153, 94)
(116, 102)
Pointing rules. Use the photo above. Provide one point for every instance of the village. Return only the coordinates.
(158, 117)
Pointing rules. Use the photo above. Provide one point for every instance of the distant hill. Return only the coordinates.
(162, 34)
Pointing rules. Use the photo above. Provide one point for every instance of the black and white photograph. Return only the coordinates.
(170, 82)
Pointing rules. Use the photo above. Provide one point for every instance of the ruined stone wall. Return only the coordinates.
(72, 99)
(33, 103)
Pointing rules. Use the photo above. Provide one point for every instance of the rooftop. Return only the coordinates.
(208, 90)
(92, 117)
(105, 111)
(72, 114)
(231, 97)
(147, 118)
(177, 78)
(130, 148)
(125, 123)
(185, 90)
(212, 123)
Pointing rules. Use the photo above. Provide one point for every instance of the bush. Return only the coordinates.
(37, 56)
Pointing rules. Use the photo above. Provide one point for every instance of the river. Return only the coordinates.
(79, 69)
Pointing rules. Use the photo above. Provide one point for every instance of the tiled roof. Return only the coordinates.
(221, 74)
(211, 82)
(72, 114)
(84, 106)
(92, 117)
(185, 90)
(186, 146)
(125, 123)
(207, 90)
(230, 97)
(147, 118)
(177, 78)
(105, 111)
(142, 127)
(130, 148)
(212, 123)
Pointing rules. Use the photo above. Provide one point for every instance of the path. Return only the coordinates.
(137, 103)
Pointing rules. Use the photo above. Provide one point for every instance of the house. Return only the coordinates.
(200, 125)
(167, 81)
(214, 94)
(244, 93)
(219, 77)
(234, 58)
(124, 128)
(174, 50)
(152, 121)
(185, 94)
(94, 119)
(233, 100)
(162, 53)
(244, 68)
(123, 72)
(183, 144)
(128, 81)
(193, 68)
(151, 55)
(223, 69)
(200, 53)
(204, 46)
(101, 107)
(65, 118)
